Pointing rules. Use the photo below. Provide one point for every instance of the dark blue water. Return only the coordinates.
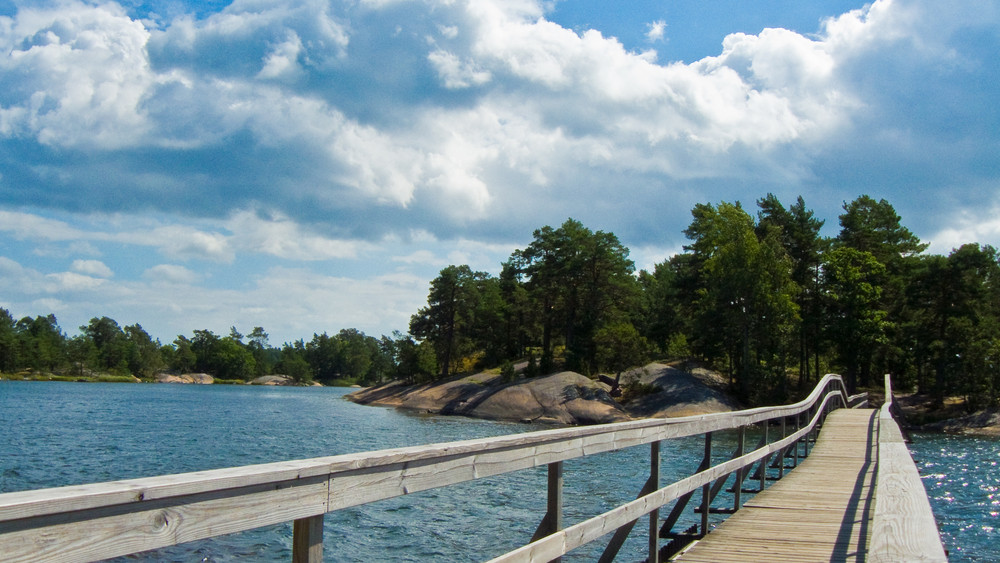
(962, 477)
(55, 434)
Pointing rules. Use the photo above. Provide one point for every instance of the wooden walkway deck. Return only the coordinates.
(821, 511)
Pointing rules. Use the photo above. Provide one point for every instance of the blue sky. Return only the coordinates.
(311, 166)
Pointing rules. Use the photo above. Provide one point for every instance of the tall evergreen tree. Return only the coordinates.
(661, 299)
(875, 227)
(954, 337)
(799, 232)
(8, 343)
(448, 320)
(579, 280)
(110, 343)
(144, 358)
(41, 343)
(857, 324)
(745, 305)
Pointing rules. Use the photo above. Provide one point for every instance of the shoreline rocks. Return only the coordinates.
(188, 378)
(562, 398)
(678, 392)
(281, 380)
(921, 412)
(206, 379)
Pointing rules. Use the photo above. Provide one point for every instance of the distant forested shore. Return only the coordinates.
(763, 297)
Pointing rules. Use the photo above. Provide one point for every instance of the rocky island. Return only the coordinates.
(560, 398)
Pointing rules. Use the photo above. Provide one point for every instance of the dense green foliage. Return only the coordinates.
(766, 299)
(104, 351)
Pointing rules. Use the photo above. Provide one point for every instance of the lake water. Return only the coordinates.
(962, 477)
(56, 434)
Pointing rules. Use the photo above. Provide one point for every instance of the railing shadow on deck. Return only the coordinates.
(104, 520)
(861, 497)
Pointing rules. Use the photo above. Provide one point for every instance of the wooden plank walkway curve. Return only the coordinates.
(820, 511)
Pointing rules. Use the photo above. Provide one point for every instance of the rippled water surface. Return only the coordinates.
(962, 477)
(56, 434)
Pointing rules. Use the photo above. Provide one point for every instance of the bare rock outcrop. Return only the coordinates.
(677, 392)
(562, 398)
(980, 423)
(282, 380)
(190, 378)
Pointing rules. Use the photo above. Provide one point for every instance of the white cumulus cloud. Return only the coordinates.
(455, 72)
(171, 274)
(82, 74)
(656, 31)
(94, 268)
(72, 282)
(322, 131)
(281, 237)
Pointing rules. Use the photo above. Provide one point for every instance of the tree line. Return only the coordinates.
(763, 297)
(32, 346)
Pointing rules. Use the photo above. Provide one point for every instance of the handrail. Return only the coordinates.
(562, 542)
(104, 520)
(903, 528)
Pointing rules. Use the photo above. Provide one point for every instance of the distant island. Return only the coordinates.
(206, 379)
(183, 378)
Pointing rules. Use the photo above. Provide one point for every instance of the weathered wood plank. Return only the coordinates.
(820, 511)
(904, 528)
(105, 532)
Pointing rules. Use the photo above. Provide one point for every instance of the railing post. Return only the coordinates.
(307, 540)
(809, 416)
(555, 500)
(781, 465)
(652, 484)
(552, 522)
(654, 516)
(798, 426)
(738, 485)
(763, 461)
(812, 431)
(706, 493)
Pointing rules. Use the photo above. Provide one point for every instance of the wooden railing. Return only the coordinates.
(103, 520)
(903, 528)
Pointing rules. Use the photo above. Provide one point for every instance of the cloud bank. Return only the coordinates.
(324, 131)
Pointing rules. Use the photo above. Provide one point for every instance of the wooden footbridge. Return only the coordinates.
(830, 482)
